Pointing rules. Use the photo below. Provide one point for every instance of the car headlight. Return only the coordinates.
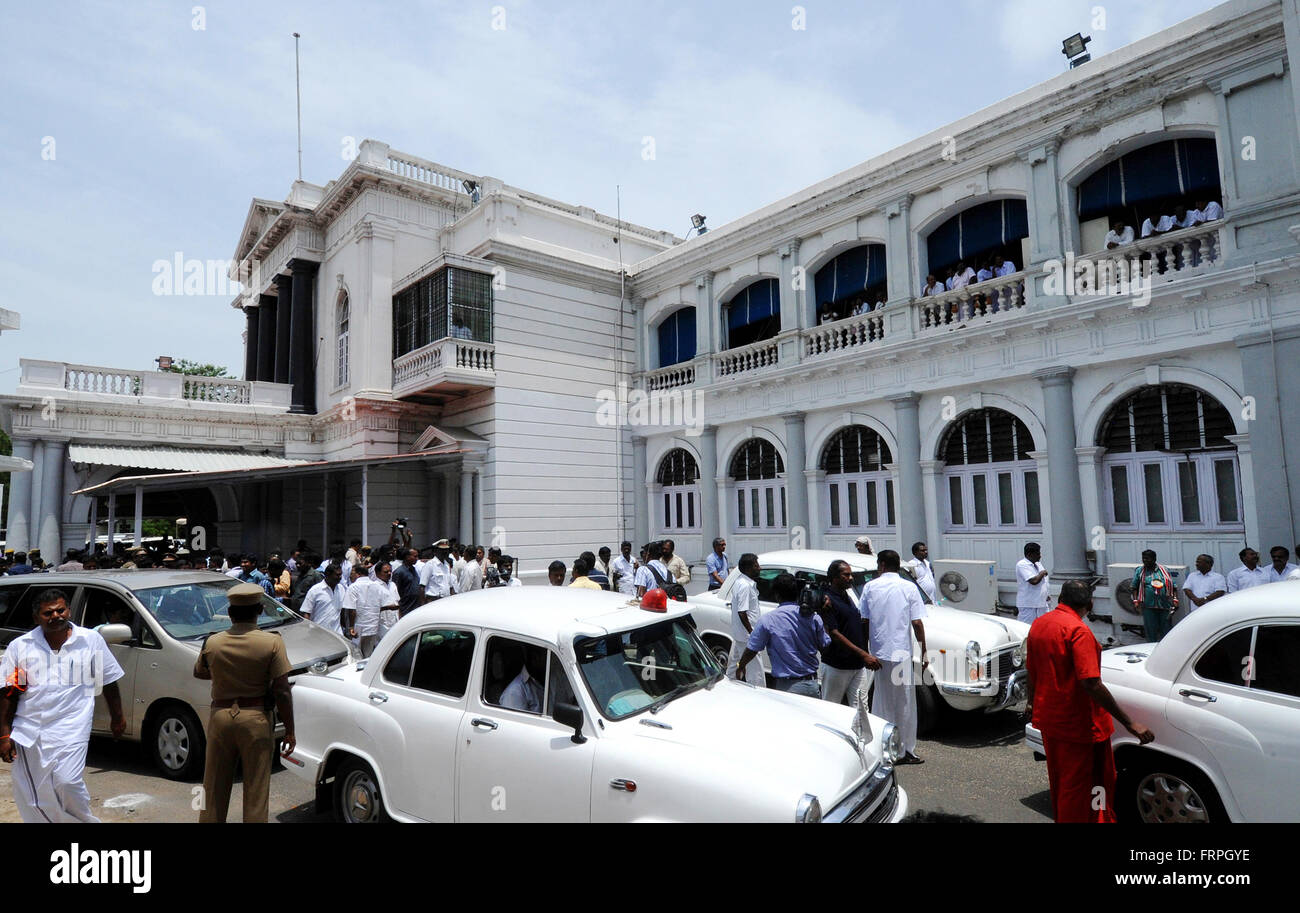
(809, 810)
(973, 660)
(891, 745)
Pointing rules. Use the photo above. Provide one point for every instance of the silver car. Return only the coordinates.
(155, 622)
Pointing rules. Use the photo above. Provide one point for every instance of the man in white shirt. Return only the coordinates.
(48, 681)
(677, 566)
(1182, 218)
(655, 551)
(624, 568)
(1209, 211)
(1250, 574)
(525, 691)
(1006, 269)
(506, 569)
(644, 580)
(745, 613)
(471, 575)
(1159, 227)
(1281, 568)
(437, 579)
(933, 286)
(1031, 585)
(893, 611)
(352, 596)
(923, 570)
(965, 272)
(377, 609)
(1119, 235)
(324, 601)
(1204, 584)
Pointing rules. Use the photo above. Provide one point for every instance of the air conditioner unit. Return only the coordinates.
(1124, 624)
(971, 586)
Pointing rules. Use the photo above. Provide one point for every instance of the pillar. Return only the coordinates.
(451, 505)
(910, 505)
(138, 525)
(112, 520)
(302, 335)
(898, 251)
(1047, 233)
(708, 329)
(1069, 540)
(266, 338)
(641, 495)
(283, 315)
(19, 532)
(815, 483)
(710, 522)
(1091, 487)
(793, 316)
(250, 344)
(372, 311)
(796, 487)
(936, 509)
(466, 534)
(1270, 372)
(51, 516)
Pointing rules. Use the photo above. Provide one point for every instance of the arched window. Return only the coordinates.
(991, 480)
(987, 231)
(754, 314)
(677, 338)
(1169, 464)
(757, 474)
(342, 319)
(853, 281)
(679, 492)
(859, 491)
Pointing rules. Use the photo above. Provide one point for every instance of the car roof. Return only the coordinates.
(138, 579)
(816, 559)
(1271, 600)
(544, 613)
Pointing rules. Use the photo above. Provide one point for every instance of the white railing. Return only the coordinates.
(670, 378)
(55, 378)
(216, 390)
(475, 356)
(1188, 250)
(849, 333)
(445, 357)
(952, 310)
(420, 363)
(84, 379)
(753, 357)
(426, 172)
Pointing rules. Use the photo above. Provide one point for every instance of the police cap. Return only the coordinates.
(245, 594)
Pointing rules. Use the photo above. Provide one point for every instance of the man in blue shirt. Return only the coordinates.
(249, 573)
(717, 564)
(20, 565)
(793, 641)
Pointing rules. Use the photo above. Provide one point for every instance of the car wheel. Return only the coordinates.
(356, 794)
(176, 743)
(1159, 790)
(721, 652)
(928, 708)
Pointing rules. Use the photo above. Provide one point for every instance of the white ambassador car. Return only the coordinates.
(976, 661)
(633, 720)
(1221, 693)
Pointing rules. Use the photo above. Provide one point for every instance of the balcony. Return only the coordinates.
(64, 381)
(447, 366)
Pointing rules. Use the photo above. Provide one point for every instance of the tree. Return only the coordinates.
(196, 369)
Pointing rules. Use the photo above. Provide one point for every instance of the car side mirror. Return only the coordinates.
(116, 634)
(571, 715)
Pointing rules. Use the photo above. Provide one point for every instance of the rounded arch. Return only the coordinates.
(677, 467)
(732, 289)
(662, 310)
(971, 231)
(1110, 396)
(1091, 164)
(661, 451)
(747, 435)
(933, 436)
(983, 427)
(674, 337)
(342, 337)
(827, 254)
(924, 228)
(818, 442)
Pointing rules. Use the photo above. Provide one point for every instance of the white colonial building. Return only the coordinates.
(437, 345)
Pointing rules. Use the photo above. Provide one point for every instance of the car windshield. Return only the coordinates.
(189, 611)
(633, 670)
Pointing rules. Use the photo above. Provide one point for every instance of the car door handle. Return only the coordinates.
(379, 697)
(480, 723)
(1208, 698)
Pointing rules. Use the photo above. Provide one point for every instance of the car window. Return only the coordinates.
(189, 611)
(1276, 665)
(766, 578)
(102, 607)
(398, 668)
(631, 670)
(442, 661)
(1226, 661)
(15, 611)
(558, 688)
(515, 675)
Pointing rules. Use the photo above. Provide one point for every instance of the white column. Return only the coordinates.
(20, 499)
(815, 483)
(934, 492)
(641, 493)
(1250, 510)
(112, 518)
(94, 521)
(139, 516)
(1090, 486)
(365, 503)
(466, 533)
(1066, 519)
(374, 331)
(724, 507)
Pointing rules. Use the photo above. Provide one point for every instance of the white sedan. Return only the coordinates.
(1221, 693)
(976, 662)
(555, 704)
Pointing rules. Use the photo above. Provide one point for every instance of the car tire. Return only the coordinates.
(1155, 789)
(721, 651)
(176, 743)
(928, 708)
(357, 799)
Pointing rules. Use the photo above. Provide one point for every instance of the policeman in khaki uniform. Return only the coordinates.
(243, 663)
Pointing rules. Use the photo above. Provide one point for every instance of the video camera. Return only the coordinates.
(401, 522)
(811, 598)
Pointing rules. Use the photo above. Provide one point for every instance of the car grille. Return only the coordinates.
(1005, 668)
(873, 801)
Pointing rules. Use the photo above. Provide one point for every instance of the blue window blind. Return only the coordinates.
(852, 271)
(677, 337)
(757, 302)
(977, 231)
(1170, 169)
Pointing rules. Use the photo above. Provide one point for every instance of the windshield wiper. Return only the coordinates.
(671, 695)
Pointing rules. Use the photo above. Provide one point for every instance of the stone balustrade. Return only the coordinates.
(670, 378)
(1000, 297)
(72, 381)
(445, 363)
(849, 333)
(746, 359)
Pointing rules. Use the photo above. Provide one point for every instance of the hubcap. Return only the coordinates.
(359, 798)
(722, 656)
(1168, 799)
(173, 743)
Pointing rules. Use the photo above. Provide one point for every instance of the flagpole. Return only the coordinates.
(297, 83)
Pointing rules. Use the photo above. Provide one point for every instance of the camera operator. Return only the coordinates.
(400, 537)
(845, 660)
(793, 635)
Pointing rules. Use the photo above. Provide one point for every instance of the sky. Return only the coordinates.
(134, 131)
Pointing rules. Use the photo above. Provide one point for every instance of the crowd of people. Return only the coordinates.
(1121, 233)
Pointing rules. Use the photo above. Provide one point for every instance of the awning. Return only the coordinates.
(15, 464)
(176, 459)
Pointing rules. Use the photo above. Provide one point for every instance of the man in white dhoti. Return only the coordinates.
(48, 681)
(892, 609)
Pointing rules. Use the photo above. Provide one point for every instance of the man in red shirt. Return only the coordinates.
(1073, 709)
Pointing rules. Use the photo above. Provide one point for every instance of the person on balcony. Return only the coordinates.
(1183, 218)
(1159, 227)
(458, 328)
(1006, 269)
(1209, 211)
(986, 272)
(1119, 235)
(933, 286)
